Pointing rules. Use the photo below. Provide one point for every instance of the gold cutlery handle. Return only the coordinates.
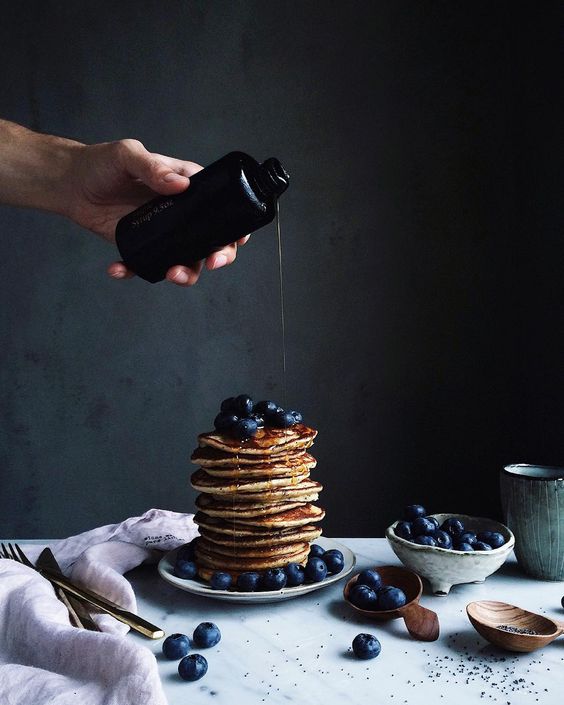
(132, 620)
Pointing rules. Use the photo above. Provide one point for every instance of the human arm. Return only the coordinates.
(94, 185)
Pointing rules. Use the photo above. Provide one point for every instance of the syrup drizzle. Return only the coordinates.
(281, 287)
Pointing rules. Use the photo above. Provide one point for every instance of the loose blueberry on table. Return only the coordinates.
(206, 635)
(192, 667)
(176, 646)
(366, 646)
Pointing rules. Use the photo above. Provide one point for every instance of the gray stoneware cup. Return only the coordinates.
(532, 497)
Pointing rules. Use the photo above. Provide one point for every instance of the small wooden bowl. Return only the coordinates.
(421, 623)
(487, 616)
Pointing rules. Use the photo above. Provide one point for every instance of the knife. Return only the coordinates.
(78, 612)
(132, 620)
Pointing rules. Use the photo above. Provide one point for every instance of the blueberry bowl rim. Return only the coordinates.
(507, 546)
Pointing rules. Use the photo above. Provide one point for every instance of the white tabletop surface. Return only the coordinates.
(299, 650)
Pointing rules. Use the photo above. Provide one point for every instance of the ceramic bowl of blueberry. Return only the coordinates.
(449, 549)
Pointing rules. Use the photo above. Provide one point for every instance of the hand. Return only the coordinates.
(111, 179)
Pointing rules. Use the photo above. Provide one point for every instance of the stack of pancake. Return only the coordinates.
(255, 509)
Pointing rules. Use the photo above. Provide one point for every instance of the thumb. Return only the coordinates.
(152, 169)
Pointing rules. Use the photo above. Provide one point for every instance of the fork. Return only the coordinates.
(132, 620)
(79, 615)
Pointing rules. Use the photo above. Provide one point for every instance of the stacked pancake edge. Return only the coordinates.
(256, 505)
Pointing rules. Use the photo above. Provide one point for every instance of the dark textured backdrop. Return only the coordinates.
(423, 253)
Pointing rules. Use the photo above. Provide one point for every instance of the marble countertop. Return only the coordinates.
(299, 650)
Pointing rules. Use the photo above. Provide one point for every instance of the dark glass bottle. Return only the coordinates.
(227, 200)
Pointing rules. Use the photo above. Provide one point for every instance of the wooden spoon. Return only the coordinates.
(487, 616)
(421, 623)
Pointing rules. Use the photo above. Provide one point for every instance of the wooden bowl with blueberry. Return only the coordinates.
(390, 592)
(449, 549)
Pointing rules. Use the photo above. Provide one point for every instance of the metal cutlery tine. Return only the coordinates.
(24, 559)
(4, 551)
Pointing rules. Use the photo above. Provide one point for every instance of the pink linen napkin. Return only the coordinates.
(43, 658)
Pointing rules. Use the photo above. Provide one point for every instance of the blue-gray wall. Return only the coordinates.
(422, 257)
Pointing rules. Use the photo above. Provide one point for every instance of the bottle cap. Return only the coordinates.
(275, 175)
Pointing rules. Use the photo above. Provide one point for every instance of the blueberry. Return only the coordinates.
(273, 579)
(434, 520)
(482, 546)
(192, 667)
(413, 511)
(316, 551)
(265, 407)
(468, 537)
(248, 582)
(176, 646)
(425, 540)
(371, 578)
(422, 525)
(224, 421)
(186, 552)
(493, 538)
(244, 429)
(281, 419)
(366, 646)
(403, 530)
(334, 560)
(364, 597)
(187, 570)
(562, 602)
(243, 405)
(390, 598)
(454, 527)
(463, 546)
(220, 580)
(259, 420)
(442, 538)
(295, 574)
(206, 635)
(298, 418)
(315, 570)
(228, 404)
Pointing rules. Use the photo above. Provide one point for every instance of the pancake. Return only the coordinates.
(240, 551)
(203, 482)
(305, 491)
(215, 458)
(218, 561)
(284, 465)
(224, 509)
(267, 440)
(292, 517)
(300, 533)
(233, 530)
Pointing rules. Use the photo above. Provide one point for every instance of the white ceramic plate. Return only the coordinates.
(198, 587)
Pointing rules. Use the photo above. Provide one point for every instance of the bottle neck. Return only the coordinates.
(273, 178)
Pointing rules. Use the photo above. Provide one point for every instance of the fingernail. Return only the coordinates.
(173, 176)
(117, 275)
(219, 261)
(180, 278)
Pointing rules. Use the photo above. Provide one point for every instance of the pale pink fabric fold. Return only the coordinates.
(43, 658)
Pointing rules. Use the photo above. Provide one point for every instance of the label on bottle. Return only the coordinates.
(148, 212)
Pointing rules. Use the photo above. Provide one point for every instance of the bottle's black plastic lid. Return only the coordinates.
(275, 175)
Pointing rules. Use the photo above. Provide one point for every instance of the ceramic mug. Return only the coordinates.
(532, 497)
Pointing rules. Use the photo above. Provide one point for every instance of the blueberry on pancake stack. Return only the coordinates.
(255, 510)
